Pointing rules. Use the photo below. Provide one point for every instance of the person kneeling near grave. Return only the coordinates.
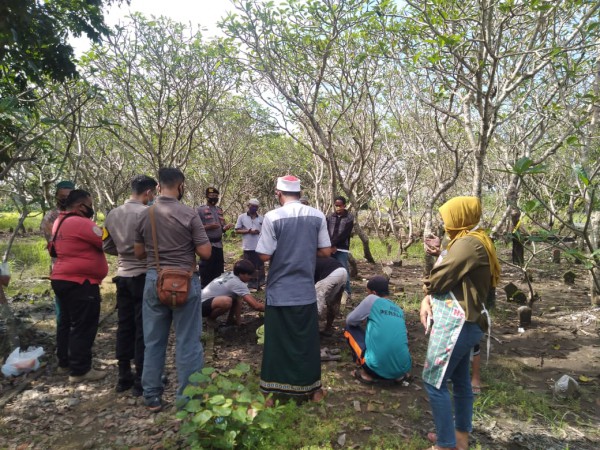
(224, 292)
(380, 348)
(330, 280)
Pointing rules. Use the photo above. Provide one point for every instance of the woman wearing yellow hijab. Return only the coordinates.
(456, 291)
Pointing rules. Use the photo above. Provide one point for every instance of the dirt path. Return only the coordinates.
(49, 413)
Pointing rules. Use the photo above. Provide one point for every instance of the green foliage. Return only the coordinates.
(27, 255)
(525, 166)
(379, 250)
(225, 411)
(10, 220)
(33, 36)
(581, 173)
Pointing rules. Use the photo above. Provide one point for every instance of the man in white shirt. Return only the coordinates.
(249, 225)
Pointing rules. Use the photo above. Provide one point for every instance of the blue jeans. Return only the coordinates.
(458, 372)
(343, 258)
(187, 320)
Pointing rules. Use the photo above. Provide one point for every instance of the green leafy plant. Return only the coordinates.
(223, 412)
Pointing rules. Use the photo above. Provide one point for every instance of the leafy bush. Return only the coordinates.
(223, 412)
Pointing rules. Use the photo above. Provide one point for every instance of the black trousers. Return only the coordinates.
(77, 324)
(258, 279)
(212, 268)
(130, 331)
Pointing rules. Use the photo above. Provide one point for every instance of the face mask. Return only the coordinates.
(89, 212)
(181, 191)
(252, 209)
(61, 203)
(213, 201)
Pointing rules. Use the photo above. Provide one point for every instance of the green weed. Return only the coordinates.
(28, 255)
(386, 441)
(408, 301)
(225, 410)
(9, 221)
(379, 249)
(504, 392)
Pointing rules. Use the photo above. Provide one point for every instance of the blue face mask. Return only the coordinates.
(151, 202)
(252, 209)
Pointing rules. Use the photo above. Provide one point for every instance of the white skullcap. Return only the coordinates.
(289, 183)
(254, 201)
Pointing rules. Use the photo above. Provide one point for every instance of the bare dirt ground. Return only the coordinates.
(44, 411)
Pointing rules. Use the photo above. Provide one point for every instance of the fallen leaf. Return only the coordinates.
(584, 379)
(556, 346)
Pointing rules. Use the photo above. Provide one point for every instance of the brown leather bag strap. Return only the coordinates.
(154, 240)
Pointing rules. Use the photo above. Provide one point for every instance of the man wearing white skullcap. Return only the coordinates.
(292, 237)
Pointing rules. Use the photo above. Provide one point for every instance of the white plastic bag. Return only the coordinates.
(566, 387)
(19, 362)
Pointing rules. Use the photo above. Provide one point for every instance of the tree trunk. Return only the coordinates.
(365, 241)
(22, 218)
(595, 272)
(9, 337)
(518, 250)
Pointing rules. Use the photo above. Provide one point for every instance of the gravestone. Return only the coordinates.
(514, 294)
(556, 256)
(524, 313)
(569, 277)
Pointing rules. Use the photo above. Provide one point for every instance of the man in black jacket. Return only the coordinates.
(339, 225)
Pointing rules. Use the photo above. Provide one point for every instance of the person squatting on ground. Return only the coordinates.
(292, 237)
(381, 348)
(455, 294)
(339, 226)
(180, 237)
(226, 293)
(212, 218)
(78, 271)
(118, 239)
(249, 226)
(330, 279)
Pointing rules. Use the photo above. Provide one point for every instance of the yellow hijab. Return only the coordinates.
(460, 216)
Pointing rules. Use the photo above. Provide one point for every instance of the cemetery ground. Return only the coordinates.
(516, 409)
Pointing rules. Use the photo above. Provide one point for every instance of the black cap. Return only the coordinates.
(66, 184)
(211, 190)
(379, 284)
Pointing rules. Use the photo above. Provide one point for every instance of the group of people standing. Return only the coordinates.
(298, 241)
(175, 235)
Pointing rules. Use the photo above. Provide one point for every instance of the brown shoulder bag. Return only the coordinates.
(172, 284)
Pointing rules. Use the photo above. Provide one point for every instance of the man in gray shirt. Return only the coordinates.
(118, 238)
(212, 218)
(180, 237)
(226, 293)
(291, 239)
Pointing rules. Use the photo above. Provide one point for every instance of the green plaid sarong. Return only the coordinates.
(291, 363)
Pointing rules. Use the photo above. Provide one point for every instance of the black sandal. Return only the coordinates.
(358, 375)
